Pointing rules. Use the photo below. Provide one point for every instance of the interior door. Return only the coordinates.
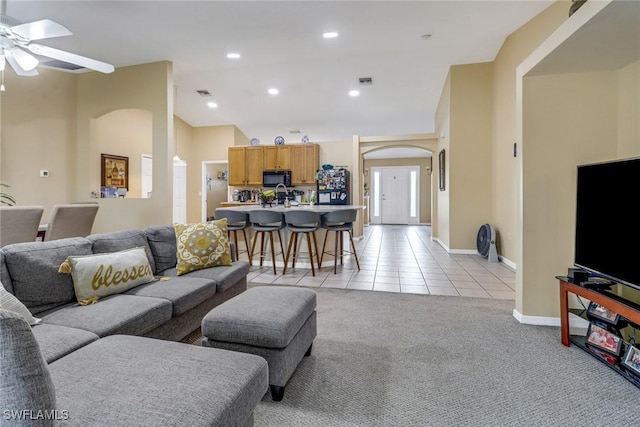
(395, 196)
(146, 172)
(179, 191)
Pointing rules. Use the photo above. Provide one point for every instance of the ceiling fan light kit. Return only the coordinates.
(16, 47)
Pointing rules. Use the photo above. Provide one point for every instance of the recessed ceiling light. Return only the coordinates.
(273, 91)
(233, 55)
(354, 93)
(212, 105)
(330, 35)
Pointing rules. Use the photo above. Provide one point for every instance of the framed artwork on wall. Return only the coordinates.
(114, 170)
(441, 169)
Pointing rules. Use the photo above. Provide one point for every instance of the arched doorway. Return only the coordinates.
(397, 181)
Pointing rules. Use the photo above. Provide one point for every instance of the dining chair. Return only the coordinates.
(71, 220)
(19, 224)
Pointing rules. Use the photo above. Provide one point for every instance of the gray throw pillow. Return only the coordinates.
(26, 390)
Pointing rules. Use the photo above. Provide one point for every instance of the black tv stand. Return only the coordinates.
(606, 298)
(596, 284)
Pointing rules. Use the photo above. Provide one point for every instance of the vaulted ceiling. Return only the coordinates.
(405, 47)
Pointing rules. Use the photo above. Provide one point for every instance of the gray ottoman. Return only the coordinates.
(275, 322)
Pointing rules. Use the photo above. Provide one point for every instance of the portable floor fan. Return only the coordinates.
(486, 242)
(16, 46)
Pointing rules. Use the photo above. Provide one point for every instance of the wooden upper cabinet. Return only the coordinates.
(304, 161)
(255, 166)
(245, 166)
(277, 157)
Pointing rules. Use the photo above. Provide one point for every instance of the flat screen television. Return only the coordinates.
(608, 220)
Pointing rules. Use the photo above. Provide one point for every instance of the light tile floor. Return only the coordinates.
(397, 258)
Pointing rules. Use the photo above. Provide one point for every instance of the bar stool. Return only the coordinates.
(339, 221)
(236, 221)
(266, 221)
(306, 223)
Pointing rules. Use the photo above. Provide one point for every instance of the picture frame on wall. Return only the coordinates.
(441, 169)
(114, 171)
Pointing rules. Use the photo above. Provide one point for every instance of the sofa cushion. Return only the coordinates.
(33, 268)
(115, 314)
(26, 382)
(183, 292)
(224, 277)
(58, 341)
(202, 245)
(151, 381)
(119, 241)
(10, 302)
(100, 275)
(162, 241)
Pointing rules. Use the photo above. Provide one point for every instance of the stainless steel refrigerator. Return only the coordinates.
(333, 186)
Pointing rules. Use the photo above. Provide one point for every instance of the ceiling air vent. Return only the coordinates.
(365, 81)
(64, 66)
(294, 131)
(203, 92)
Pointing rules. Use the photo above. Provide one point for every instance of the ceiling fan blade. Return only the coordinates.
(16, 66)
(43, 29)
(27, 61)
(69, 57)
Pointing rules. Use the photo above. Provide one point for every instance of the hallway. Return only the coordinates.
(399, 258)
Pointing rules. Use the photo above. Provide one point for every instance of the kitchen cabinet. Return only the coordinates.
(304, 161)
(277, 157)
(245, 166)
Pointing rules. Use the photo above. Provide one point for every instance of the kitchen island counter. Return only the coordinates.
(248, 207)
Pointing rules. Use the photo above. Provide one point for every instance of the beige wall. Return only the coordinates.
(469, 160)
(440, 222)
(124, 133)
(506, 170)
(579, 126)
(207, 143)
(629, 110)
(38, 131)
(148, 87)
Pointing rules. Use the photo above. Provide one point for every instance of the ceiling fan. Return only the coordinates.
(16, 45)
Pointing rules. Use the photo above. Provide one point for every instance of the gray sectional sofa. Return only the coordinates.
(112, 362)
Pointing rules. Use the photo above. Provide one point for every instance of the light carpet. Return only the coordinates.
(388, 359)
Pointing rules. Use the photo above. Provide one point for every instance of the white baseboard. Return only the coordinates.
(575, 322)
(506, 261)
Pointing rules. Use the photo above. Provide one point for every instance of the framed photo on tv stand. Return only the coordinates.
(599, 313)
(603, 339)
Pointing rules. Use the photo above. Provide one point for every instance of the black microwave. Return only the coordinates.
(273, 178)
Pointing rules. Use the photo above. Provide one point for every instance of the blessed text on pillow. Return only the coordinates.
(96, 276)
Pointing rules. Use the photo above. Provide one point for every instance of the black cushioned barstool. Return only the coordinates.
(236, 221)
(302, 222)
(266, 221)
(339, 221)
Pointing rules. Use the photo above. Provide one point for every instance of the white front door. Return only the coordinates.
(395, 195)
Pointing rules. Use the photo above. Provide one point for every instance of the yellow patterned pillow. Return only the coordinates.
(202, 245)
(99, 275)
